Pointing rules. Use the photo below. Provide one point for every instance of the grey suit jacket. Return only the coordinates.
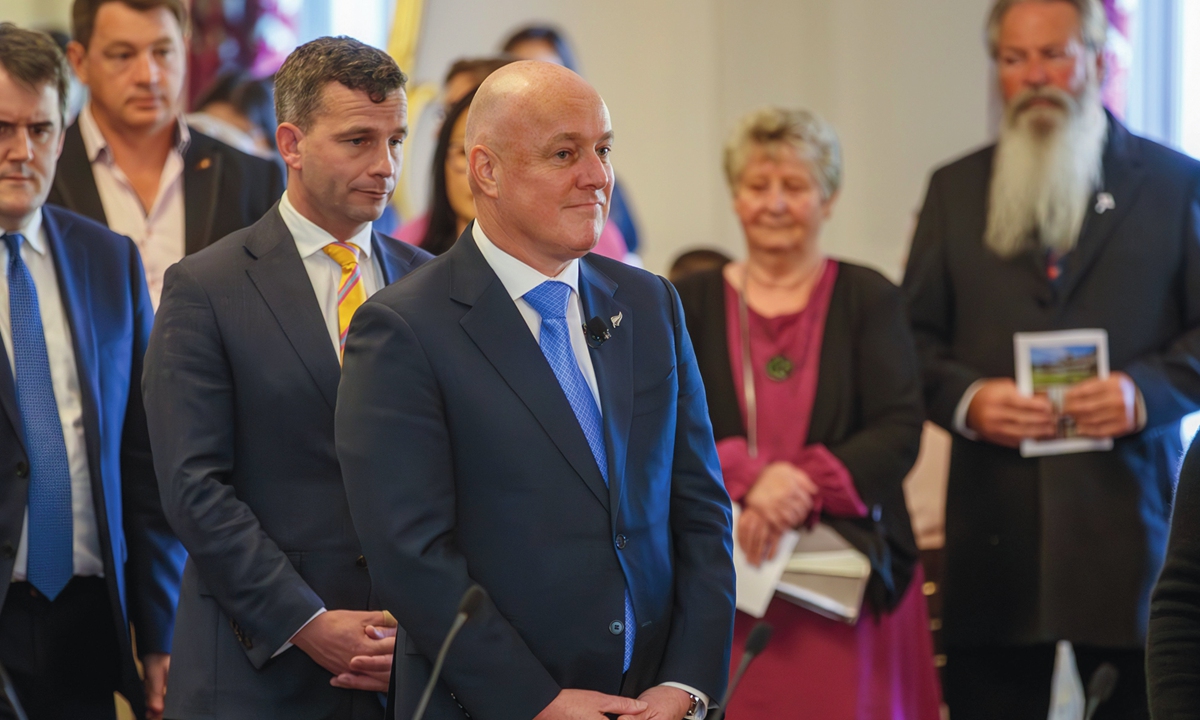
(241, 382)
(1063, 547)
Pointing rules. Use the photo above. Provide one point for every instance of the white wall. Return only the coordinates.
(905, 82)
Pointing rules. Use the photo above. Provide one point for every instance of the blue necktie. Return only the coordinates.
(550, 301)
(50, 542)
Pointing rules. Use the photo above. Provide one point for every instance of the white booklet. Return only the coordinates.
(816, 569)
(1050, 363)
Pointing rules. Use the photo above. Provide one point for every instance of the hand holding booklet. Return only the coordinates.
(816, 569)
(1051, 363)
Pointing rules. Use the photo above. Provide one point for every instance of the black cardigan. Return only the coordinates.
(867, 411)
(1173, 651)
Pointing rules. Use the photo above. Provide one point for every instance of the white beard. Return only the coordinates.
(1049, 161)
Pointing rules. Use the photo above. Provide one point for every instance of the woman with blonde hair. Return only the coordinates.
(815, 400)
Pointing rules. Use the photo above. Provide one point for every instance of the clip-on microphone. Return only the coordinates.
(755, 644)
(471, 600)
(597, 331)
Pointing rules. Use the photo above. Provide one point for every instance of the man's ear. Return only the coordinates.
(288, 138)
(483, 169)
(75, 55)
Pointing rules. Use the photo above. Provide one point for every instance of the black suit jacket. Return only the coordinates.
(241, 381)
(223, 189)
(1066, 547)
(108, 311)
(1173, 650)
(867, 410)
(465, 463)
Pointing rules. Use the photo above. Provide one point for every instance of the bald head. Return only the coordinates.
(538, 140)
(521, 96)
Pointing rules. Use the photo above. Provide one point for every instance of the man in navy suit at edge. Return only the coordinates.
(85, 551)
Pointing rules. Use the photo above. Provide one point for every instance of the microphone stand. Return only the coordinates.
(470, 602)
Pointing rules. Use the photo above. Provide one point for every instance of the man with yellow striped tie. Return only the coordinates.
(241, 382)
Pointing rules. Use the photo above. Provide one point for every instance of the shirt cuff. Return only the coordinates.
(960, 412)
(288, 644)
(701, 709)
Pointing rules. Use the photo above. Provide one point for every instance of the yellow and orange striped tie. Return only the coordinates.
(351, 291)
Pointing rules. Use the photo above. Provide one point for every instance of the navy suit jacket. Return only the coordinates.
(108, 311)
(464, 463)
(241, 382)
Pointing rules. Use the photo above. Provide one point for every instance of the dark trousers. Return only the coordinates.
(1013, 683)
(63, 656)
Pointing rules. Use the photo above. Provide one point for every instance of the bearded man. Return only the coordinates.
(1069, 221)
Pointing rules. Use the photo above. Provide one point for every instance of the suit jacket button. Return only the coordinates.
(616, 627)
(8, 550)
(22, 469)
(621, 541)
(361, 561)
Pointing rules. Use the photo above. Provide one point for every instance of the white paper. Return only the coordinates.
(1048, 364)
(1066, 687)
(756, 585)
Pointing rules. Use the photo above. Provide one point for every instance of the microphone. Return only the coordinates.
(755, 644)
(597, 331)
(471, 600)
(1100, 688)
(8, 692)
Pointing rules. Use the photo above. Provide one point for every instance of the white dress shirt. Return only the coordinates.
(325, 274)
(64, 377)
(518, 279)
(159, 231)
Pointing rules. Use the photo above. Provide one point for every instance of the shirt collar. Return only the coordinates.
(311, 238)
(32, 232)
(517, 277)
(94, 142)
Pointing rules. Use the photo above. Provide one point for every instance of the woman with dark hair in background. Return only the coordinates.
(239, 111)
(548, 44)
(451, 207)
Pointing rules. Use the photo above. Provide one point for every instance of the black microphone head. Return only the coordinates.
(1103, 683)
(471, 600)
(759, 637)
(598, 331)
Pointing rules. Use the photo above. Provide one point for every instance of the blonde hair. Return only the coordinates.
(813, 139)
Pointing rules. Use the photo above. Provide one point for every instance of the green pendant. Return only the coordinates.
(779, 368)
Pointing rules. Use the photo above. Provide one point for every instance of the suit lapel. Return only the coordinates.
(73, 272)
(73, 180)
(281, 279)
(201, 173)
(8, 396)
(496, 327)
(391, 265)
(613, 363)
(1123, 175)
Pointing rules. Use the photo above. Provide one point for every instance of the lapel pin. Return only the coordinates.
(616, 319)
(204, 164)
(1104, 203)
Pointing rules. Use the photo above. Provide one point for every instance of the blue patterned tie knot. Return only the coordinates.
(50, 531)
(550, 301)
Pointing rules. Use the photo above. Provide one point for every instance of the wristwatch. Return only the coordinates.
(697, 710)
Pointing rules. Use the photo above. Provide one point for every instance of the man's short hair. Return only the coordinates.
(769, 128)
(83, 15)
(477, 68)
(1093, 22)
(33, 59)
(300, 83)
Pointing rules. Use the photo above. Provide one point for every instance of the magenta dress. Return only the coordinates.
(879, 669)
